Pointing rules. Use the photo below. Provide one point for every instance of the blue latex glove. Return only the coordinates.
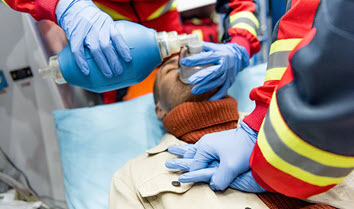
(244, 182)
(85, 25)
(229, 59)
(232, 148)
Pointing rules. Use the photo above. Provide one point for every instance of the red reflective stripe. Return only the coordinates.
(280, 181)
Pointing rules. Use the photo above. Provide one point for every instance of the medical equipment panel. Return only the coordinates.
(27, 130)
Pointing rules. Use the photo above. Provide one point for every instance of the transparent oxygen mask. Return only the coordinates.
(170, 42)
(194, 46)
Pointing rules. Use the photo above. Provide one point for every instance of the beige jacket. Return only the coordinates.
(145, 182)
(340, 196)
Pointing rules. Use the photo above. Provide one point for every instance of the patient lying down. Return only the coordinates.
(145, 182)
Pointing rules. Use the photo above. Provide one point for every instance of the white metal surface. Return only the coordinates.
(184, 5)
(27, 130)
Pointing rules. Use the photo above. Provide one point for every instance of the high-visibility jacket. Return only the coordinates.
(305, 144)
(160, 15)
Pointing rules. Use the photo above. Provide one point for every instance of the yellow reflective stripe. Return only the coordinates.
(292, 170)
(4, 2)
(246, 27)
(244, 14)
(157, 13)
(199, 33)
(115, 15)
(300, 146)
(196, 21)
(284, 45)
(174, 5)
(161, 10)
(275, 73)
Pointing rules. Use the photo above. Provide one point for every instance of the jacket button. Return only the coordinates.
(176, 183)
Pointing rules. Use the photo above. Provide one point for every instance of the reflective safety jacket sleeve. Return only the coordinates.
(241, 24)
(145, 12)
(288, 32)
(161, 15)
(39, 9)
(305, 145)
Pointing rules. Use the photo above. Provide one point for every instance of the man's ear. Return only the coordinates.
(161, 114)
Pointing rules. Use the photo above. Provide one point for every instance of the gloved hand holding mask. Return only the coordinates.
(228, 60)
(85, 25)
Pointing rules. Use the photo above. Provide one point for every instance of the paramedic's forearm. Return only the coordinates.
(241, 23)
(306, 139)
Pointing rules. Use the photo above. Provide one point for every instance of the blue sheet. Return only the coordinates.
(245, 81)
(95, 142)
